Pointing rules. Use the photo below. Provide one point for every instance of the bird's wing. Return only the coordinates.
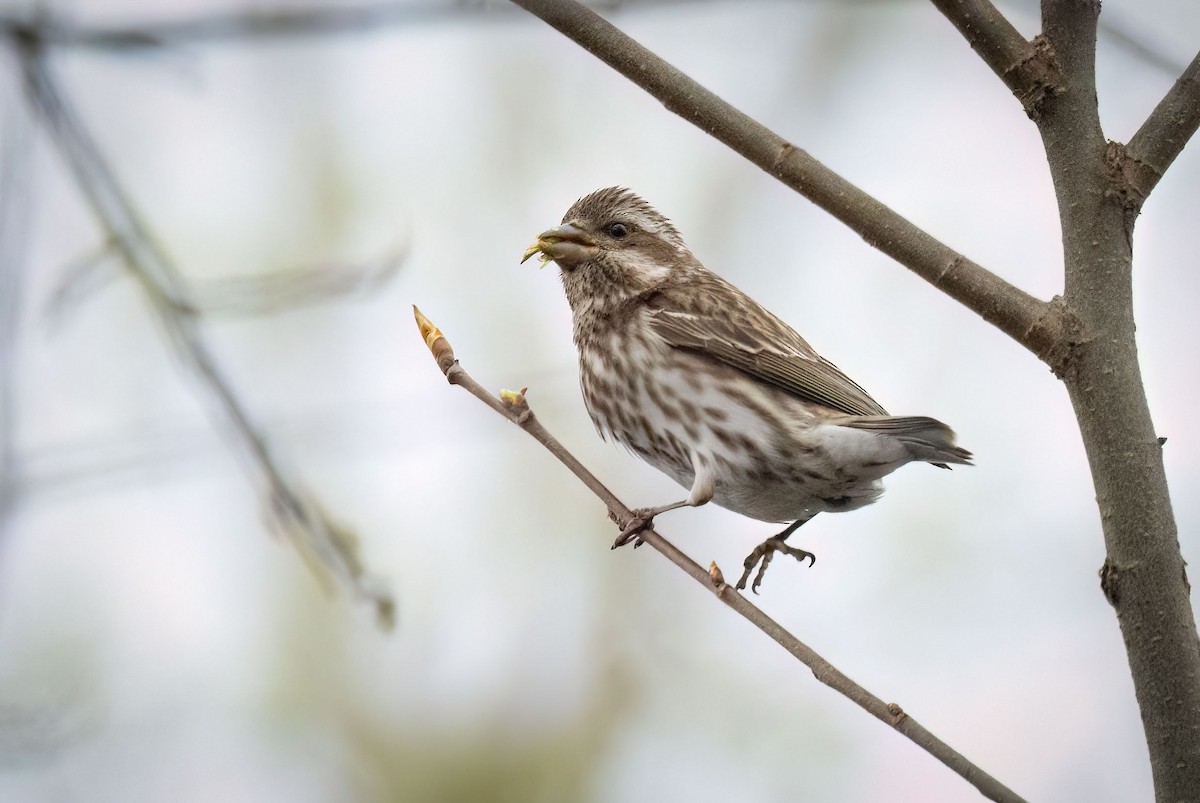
(754, 341)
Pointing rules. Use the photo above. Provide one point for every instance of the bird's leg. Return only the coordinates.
(767, 549)
(643, 517)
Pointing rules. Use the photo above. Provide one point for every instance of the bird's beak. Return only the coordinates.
(568, 245)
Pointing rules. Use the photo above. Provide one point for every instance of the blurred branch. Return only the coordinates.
(82, 278)
(292, 510)
(514, 407)
(275, 291)
(233, 25)
(1035, 324)
(242, 24)
(253, 294)
(15, 163)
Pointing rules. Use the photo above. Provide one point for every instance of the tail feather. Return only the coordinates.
(925, 438)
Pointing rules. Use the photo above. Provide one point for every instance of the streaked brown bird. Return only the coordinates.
(704, 384)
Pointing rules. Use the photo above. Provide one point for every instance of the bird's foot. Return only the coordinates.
(643, 519)
(763, 553)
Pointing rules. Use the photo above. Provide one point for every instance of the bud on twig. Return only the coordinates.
(438, 345)
(514, 400)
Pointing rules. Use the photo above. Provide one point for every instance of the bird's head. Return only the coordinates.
(612, 245)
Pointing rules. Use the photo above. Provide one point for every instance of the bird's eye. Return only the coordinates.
(617, 230)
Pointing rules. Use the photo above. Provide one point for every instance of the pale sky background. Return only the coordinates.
(156, 643)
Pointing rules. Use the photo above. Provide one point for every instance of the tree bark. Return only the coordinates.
(1143, 574)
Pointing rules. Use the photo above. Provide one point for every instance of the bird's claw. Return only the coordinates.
(643, 519)
(761, 557)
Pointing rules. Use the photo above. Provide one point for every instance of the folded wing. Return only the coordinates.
(764, 347)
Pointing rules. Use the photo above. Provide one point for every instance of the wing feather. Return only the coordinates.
(764, 347)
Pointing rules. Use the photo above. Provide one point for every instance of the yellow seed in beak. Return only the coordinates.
(531, 250)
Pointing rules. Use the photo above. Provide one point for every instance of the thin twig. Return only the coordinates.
(320, 540)
(255, 294)
(254, 24)
(515, 407)
(82, 279)
(233, 25)
(1032, 323)
(260, 294)
(15, 175)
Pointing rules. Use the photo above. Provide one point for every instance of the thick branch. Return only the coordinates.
(1071, 27)
(321, 541)
(1168, 128)
(515, 408)
(1143, 575)
(1032, 323)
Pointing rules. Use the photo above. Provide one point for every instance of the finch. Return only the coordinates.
(703, 383)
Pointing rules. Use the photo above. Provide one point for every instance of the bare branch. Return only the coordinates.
(292, 510)
(1032, 323)
(1168, 128)
(1144, 575)
(990, 34)
(1027, 68)
(515, 407)
(82, 278)
(242, 24)
(15, 162)
(233, 26)
(235, 296)
(1071, 26)
(277, 291)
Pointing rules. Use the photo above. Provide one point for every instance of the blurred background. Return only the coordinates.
(156, 642)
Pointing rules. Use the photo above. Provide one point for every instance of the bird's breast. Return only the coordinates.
(674, 408)
(682, 412)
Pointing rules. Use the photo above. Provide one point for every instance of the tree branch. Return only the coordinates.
(1029, 69)
(269, 23)
(15, 183)
(514, 407)
(990, 34)
(1071, 27)
(1143, 576)
(1034, 324)
(1100, 187)
(231, 26)
(320, 540)
(1168, 128)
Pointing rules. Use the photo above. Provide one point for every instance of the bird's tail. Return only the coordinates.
(925, 438)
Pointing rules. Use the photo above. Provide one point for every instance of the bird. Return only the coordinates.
(705, 384)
